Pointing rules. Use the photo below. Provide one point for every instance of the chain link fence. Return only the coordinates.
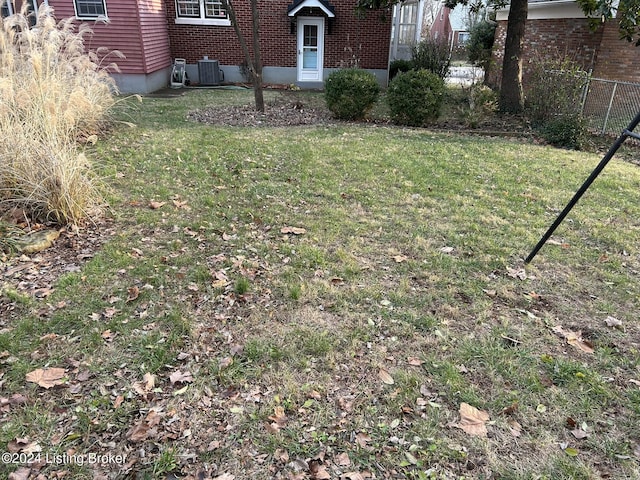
(609, 105)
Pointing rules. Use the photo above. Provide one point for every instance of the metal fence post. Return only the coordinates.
(606, 118)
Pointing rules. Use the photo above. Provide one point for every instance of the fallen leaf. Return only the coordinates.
(400, 258)
(447, 249)
(226, 362)
(153, 205)
(613, 322)
(579, 433)
(515, 428)
(279, 417)
(225, 476)
(293, 230)
(362, 439)
(108, 335)
(472, 420)
(180, 377)
(181, 204)
(490, 293)
(574, 339)
(145, 428)
(134, 292)
(353, 476)
(414, 361)
(318, 471)
(385, 377)
(518, 273)
(342, 459)
(47, 377)
(572, 452)
(21, 473)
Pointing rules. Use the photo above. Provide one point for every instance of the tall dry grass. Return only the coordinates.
(52, 93)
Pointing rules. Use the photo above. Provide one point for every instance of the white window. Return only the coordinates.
(408, 23)
(90, 9)
(201, 12)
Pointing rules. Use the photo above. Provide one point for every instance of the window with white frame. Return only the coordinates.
(90, 9)
(201, 12)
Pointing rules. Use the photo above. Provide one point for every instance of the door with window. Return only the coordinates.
(310, 48)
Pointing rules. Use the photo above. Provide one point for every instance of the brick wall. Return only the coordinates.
(617, 59)
(549, 38)
(345, 35)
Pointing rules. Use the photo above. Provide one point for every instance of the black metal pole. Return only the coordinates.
(628, 132)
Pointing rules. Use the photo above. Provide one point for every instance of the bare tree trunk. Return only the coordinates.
(257, 58)
(511, 93)
(255, 63)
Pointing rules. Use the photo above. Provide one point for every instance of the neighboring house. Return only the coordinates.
(416, 20)
(302, 41)
(451, 25)
(559, 28)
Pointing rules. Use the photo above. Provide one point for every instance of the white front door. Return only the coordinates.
(310, 48)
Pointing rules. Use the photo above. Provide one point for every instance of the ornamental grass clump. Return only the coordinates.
(53, 94)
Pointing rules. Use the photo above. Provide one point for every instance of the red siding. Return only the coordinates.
(155, 35)
(124, 32)
(346, 35)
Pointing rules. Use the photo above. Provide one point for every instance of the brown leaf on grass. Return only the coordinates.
(134, 293)
(613, 322)
(21, 473)
(515, 428)
(148, 383)
(362, 439)
(279, 416)
(293, 230)
(180, 377)
(579, 433)
(108, 335)
(385, 377)
(342, 459)
(181, 204)
(318, 471)
(145, 428)
(355, 476)
(153, 205)
(472, 420)
(47, 377)
(225, 362)
(574, 339)
(17, 444)
(225, 476)
(400, 258)
(414, 361)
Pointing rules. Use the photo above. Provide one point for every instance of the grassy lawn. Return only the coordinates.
(318, 302)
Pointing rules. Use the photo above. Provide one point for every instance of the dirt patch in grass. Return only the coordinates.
(286, 111)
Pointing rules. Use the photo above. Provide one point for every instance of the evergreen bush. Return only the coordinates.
(351, 92)
(415, 97)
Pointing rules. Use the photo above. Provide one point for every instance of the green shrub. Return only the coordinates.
(432, 55)
(415, 97)
(350, 93)
(52, 93)
(566, 131)
(398, 66)
(480, 43)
